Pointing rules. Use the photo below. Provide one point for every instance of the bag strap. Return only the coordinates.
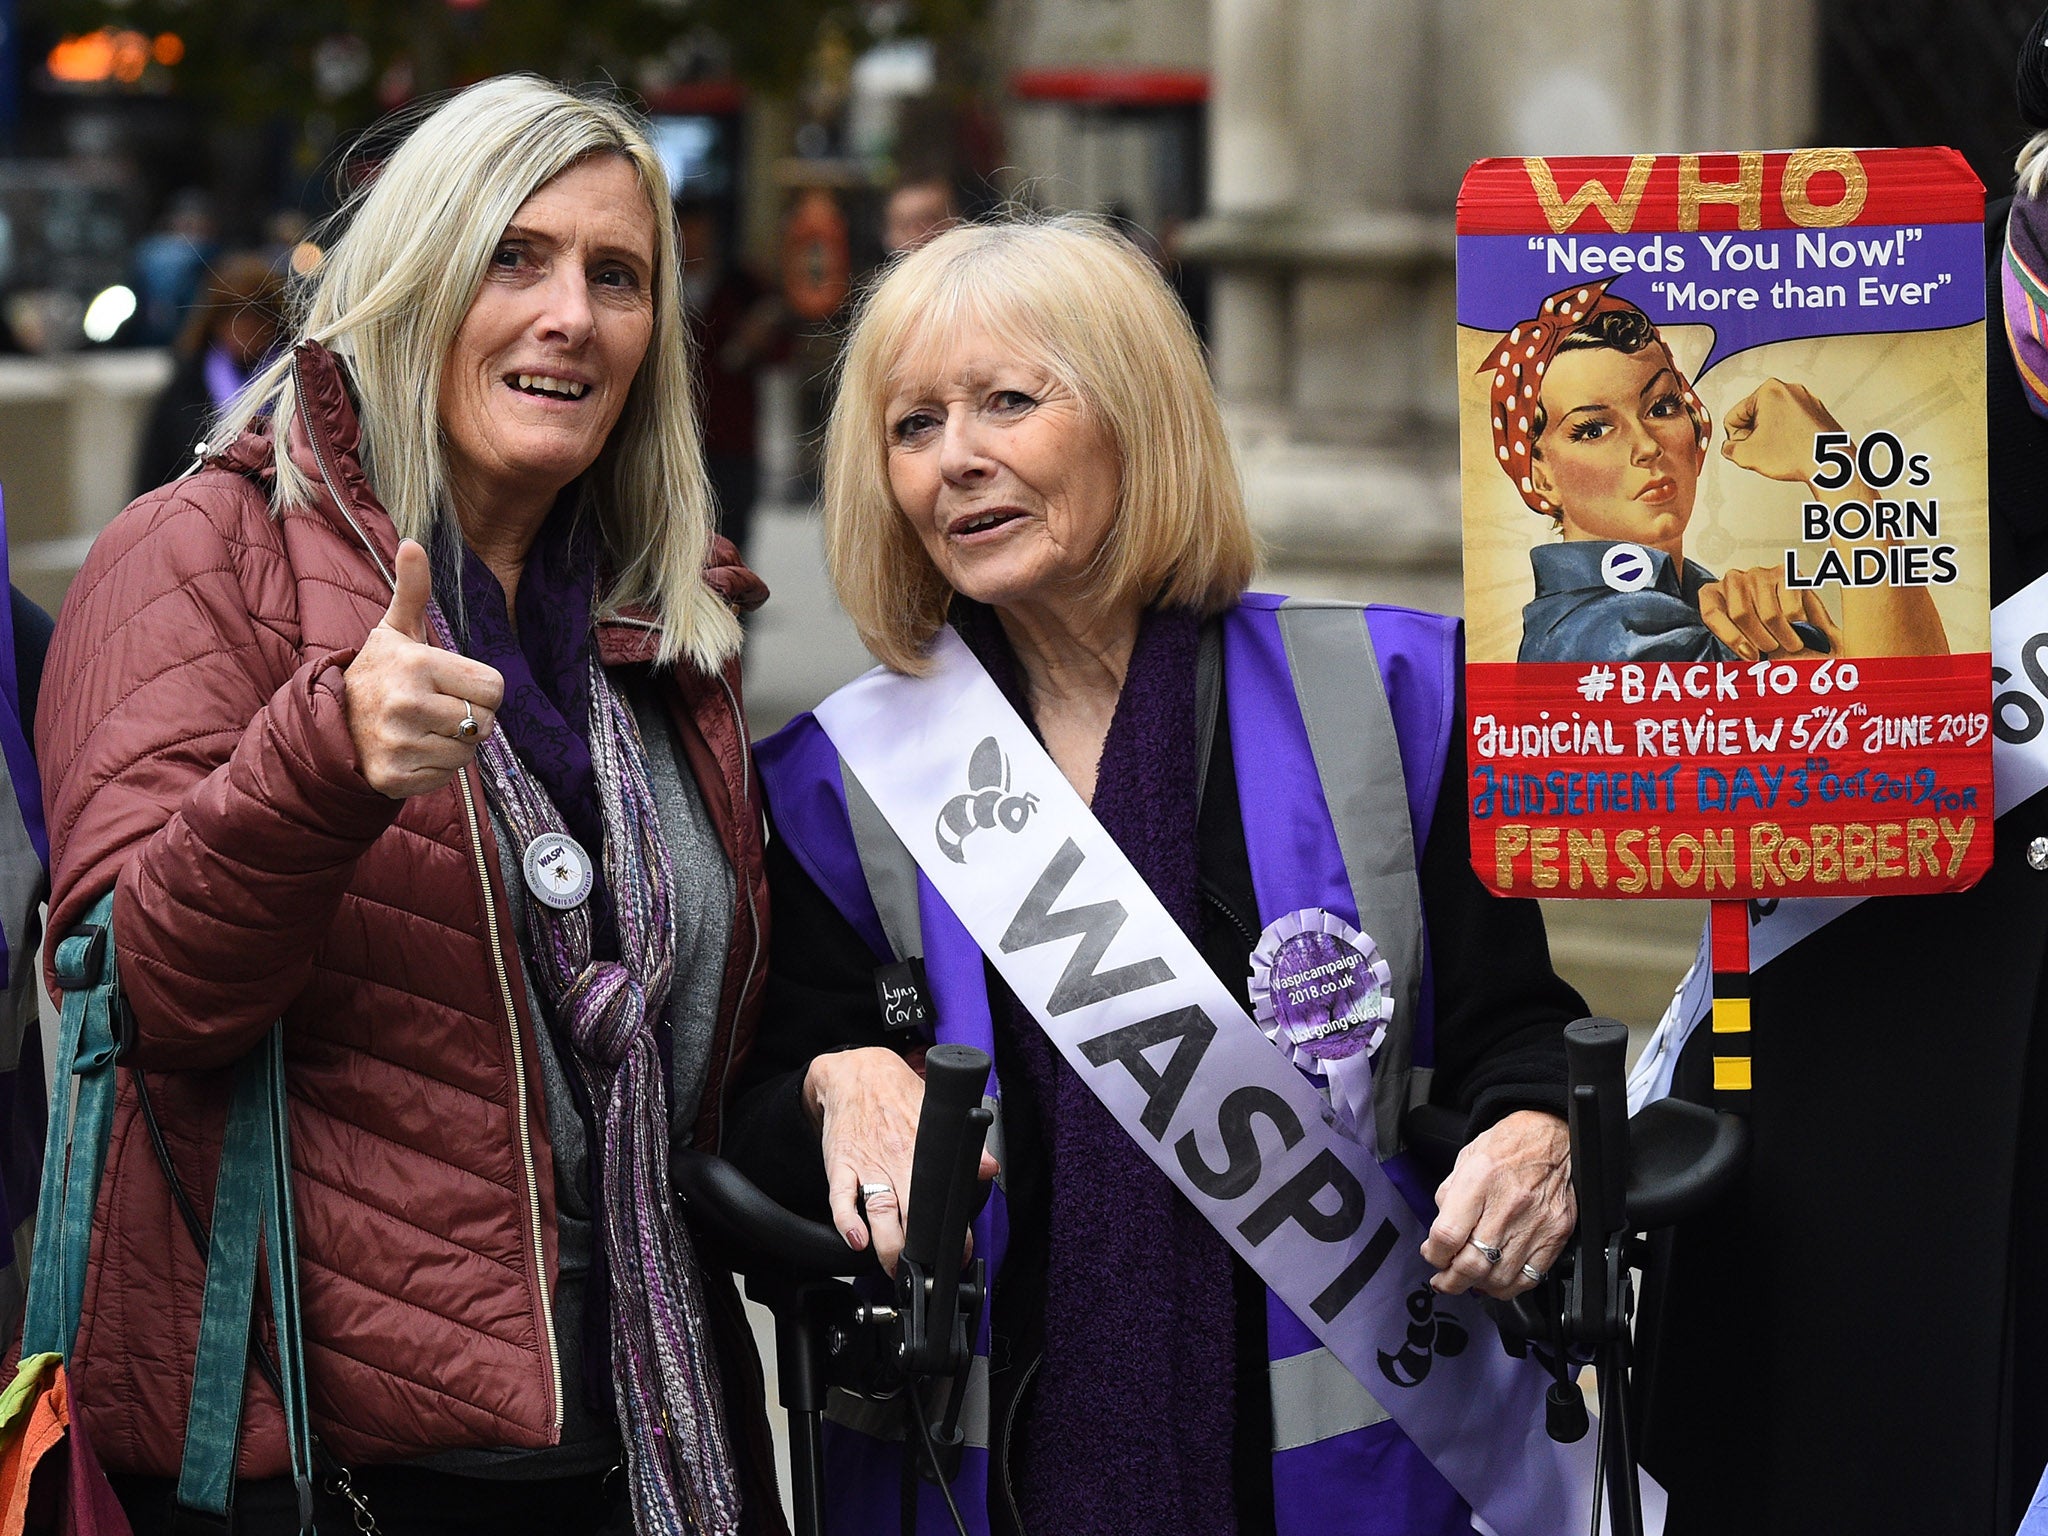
(75, 1148)
(253, 1211)
(252, 1208)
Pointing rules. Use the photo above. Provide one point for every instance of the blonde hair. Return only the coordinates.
(2031, 166)
(394, 290)
(1081, 301)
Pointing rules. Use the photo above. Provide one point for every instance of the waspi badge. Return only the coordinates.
(1323, 994)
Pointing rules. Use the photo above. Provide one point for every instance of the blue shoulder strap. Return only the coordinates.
(252, 1204)
(252, 1209)
(75, 1149)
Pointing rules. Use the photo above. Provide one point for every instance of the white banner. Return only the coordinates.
(1136, 1011)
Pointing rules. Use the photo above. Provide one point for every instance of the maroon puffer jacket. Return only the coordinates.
(196, 757)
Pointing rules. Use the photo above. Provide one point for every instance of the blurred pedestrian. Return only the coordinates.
(477, 825)
(917, 210)
(169, 266)
(738, 325)
(229, 334)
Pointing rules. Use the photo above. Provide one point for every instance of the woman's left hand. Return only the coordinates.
(1511, 1190)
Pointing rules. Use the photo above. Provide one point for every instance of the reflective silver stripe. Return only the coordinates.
(1419, 1080)
(1315, 1398)
(883, 1419)
(1358, 759)
(891, 874)
(1208, 695)
(890, 870)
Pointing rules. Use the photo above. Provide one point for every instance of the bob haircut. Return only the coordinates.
(395, 288)
(1079, 300)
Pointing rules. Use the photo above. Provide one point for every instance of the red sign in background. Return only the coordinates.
(1719, 780)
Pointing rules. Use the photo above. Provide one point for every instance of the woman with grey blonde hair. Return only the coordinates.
(411, 718)
(1033, 519)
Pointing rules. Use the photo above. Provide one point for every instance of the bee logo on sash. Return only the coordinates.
(1430, 1333)
(987, 802)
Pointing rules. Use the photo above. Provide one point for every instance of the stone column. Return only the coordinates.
(1339, 132)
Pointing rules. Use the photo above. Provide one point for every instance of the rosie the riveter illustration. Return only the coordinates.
(1602, 433)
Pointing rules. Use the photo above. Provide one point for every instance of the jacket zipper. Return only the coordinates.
(547, 1309)
(476, 843)
(1251, 939)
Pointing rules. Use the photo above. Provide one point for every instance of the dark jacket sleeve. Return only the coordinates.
(1500, 1008)
(32, 629)
(820, 998)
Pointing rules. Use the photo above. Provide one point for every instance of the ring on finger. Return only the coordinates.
(1532, 1274)
(469, 725)
(871, 1191)
(1487, 1251)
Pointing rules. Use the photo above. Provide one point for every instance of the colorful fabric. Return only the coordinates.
(2022, 270)
(1521, 358)
(679, 1462)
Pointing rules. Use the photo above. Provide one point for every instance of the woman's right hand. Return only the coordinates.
(865, 1104)
(1771, 430)
(406, 699)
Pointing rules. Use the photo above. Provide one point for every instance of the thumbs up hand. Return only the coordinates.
(407, 700)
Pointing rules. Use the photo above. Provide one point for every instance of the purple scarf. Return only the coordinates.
(608, 1009)
(2023, 279)
(1128, 1429)
(546, 717)
(546, 665)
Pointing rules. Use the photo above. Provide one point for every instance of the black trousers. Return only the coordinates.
(407, 1501)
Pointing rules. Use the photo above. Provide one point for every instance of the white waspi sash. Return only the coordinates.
(1138, 1013)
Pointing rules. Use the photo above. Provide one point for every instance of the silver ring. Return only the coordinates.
(469, 725)
(1487, 1251)
(1533, 1274)
(869, 1191)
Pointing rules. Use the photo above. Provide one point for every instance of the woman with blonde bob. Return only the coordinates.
(411, 718)
(1026, 450)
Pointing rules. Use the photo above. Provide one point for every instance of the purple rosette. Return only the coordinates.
(1323, 994)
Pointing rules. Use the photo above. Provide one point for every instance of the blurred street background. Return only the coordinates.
(1292, 164)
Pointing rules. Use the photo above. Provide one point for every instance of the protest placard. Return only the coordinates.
(1725, 518)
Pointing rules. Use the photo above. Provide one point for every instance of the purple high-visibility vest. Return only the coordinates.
(1340, 724)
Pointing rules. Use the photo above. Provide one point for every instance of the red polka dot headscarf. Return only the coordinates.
(1519, 360)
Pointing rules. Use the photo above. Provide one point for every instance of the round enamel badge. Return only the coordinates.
(558, 871)
(1628, 568)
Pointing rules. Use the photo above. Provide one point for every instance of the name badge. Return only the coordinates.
(905, 998)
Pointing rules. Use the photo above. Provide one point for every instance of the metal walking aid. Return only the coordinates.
(1630, 1176)
(916, 1349)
